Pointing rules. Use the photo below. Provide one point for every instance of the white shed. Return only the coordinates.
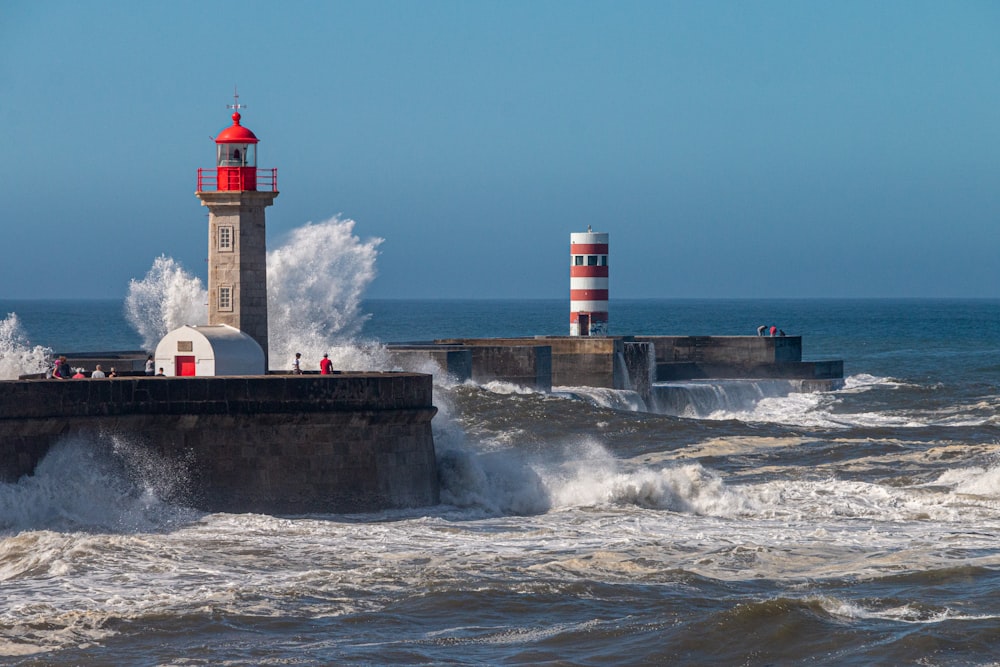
(215, 349)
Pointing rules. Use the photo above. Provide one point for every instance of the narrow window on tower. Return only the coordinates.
(225, 238)
(225, 298)
(591, 260)
(604, 260)
(578, 260)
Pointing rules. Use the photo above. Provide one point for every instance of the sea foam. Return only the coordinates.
(167, 298)
(100, 483)
(510, 480)
(315, 282)
(17, 355)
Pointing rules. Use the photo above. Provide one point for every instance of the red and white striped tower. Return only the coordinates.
(588, 283)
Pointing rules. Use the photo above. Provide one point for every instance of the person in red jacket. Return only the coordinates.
(325, 366)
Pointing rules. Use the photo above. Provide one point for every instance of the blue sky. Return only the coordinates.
(731, 149)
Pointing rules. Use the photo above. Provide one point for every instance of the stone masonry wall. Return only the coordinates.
(275, 444)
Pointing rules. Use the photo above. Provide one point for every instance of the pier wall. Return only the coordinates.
(520, 361)
(588, 361)
(455, 361)
(732, 350)
(349, 442)
(572, 360)
(788, 370)
(631, 362)
(736, 357)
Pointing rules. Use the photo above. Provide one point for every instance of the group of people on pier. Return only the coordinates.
(325, 365)
(764, 330)
(61, 370)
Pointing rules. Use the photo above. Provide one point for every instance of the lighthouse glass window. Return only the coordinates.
(225, 238)
(237, 155)
(226, 298)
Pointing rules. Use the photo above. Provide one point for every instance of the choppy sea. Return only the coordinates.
(747, 525)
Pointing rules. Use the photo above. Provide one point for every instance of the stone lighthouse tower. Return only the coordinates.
(236, 193)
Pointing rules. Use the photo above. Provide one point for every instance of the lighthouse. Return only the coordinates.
(588, 283)
(236, 193)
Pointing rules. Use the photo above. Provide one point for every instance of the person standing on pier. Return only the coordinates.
(61, 370)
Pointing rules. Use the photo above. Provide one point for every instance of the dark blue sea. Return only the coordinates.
(748, 524)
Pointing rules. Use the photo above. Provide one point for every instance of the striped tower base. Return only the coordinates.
(588, 284)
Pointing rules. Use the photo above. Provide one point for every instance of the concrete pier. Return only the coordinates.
(282, 444)
(631, 362)
(737, 357)
(519, 361)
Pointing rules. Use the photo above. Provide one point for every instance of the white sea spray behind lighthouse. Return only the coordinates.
(316, 280)
(860, 526)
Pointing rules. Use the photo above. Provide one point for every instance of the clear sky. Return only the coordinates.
(731, 149)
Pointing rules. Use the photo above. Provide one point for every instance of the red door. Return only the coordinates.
(184, 366)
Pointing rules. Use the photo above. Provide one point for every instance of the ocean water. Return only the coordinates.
(745, 525)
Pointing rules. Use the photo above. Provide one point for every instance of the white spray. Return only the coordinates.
(501, 479)
(17, 357)
(102, 482)
(166, 299)
(315, 282)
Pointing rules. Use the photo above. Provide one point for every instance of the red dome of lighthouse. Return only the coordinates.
(236, 133)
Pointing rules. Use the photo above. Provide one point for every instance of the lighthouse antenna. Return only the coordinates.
(236, 106)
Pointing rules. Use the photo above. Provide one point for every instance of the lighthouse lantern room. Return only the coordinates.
(236, 160)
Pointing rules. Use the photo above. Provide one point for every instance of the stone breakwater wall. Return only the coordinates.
(349, 442)
(622, 362)
(740, 357)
